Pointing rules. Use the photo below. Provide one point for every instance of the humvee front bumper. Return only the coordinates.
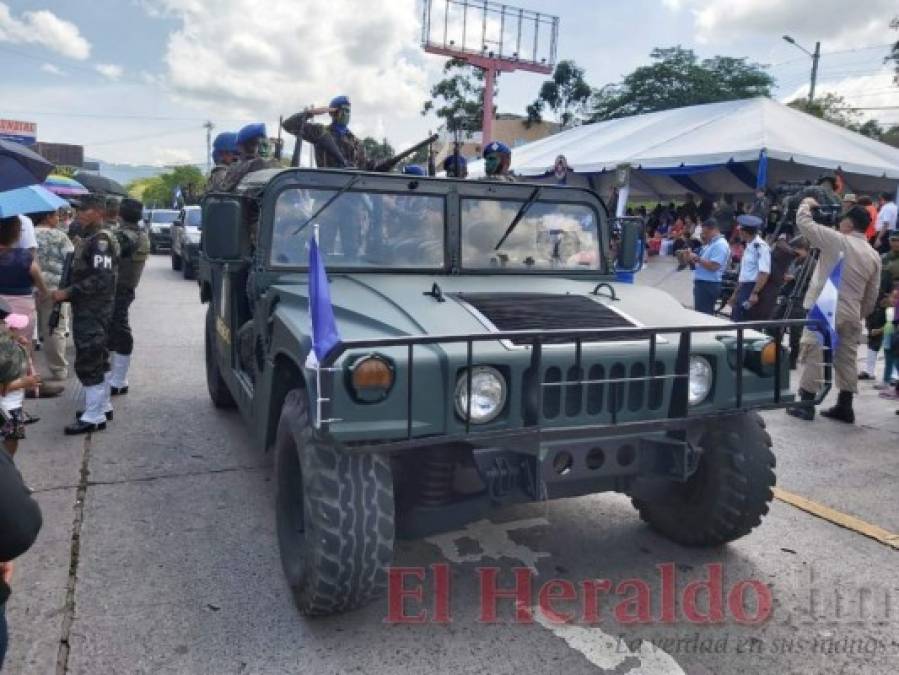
(645, 399)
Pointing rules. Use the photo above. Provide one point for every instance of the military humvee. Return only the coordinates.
(487, 357)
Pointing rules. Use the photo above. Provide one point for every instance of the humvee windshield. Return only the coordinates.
(408, 231)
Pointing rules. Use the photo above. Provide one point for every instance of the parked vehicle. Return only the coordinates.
(486, 357)
(186, 241)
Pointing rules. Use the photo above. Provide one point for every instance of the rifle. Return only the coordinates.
(64, 280)
(388, 164)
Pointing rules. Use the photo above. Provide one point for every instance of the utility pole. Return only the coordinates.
(815, 57)
(209, 126)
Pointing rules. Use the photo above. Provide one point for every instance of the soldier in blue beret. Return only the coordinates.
(497, 159)
(455, 166)
(252, 144)
(224, 153)
(348, 145)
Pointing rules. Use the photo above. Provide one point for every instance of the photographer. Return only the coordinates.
(709, 265)
(858, 291)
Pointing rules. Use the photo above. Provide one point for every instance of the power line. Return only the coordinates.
(143, 137)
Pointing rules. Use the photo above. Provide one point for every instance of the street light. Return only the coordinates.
(815, 56)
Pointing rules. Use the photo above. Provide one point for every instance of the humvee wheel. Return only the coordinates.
(176, 262)
(186, 267)
(218, 390)
(726, 497)
(334, 517)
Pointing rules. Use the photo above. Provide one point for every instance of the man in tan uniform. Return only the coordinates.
(859, 285)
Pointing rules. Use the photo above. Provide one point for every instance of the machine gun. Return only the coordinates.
(389, 164)
(64, 280)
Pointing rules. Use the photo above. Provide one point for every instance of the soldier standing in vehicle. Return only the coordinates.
(347, 143)
(252, 143)
(455, 166)
(91, 292)
(497, 160)
(224, 154)
(134, 247)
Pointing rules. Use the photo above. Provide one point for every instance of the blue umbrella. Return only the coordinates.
(31, 199)
(20, 166)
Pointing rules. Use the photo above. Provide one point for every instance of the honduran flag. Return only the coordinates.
(824, 311)
(324, 328)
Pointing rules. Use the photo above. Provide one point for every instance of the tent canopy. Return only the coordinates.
(712, 148)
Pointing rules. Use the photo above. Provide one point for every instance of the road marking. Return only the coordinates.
(609, 652)
(598, 647)
(493, 541)
(838, 518)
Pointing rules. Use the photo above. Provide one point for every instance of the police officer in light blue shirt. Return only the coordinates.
(710, 263)
(755, 268)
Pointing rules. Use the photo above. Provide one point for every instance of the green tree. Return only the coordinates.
(160, 190)
(377, 150)
(677, 78)
(458, 98)
(830, 107)
(566, 94)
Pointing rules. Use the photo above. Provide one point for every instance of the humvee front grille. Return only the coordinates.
(536, 311)
(587, 390)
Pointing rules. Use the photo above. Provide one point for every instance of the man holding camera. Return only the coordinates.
(858, 291)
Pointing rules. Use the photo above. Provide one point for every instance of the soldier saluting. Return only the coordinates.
(91, 291)
(346, 142)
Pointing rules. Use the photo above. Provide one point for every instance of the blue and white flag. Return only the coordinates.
(176, 197)
(324, 329)
(824, 311)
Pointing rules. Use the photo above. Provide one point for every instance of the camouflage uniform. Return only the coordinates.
(13, 360)
(501, 177)
(134, 247)
(53, 246)
(216, 178)
(91, 293)
(235, 172)
(350, 146)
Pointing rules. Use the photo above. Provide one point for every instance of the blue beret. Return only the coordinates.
(451, 159)
(251, 132)
(749, 221)
(414, 170)
(225, 142)
(338, 101)
(496, 146)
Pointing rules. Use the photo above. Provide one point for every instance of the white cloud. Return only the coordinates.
(44, 28)
(868, 91)
(165, 156)
(109, 70)
(830, 21)
(51, 69)
(228, 54)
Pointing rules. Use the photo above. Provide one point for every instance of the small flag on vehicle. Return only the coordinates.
(824, 311)
(324, 328)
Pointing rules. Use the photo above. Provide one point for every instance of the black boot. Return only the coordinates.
(84, 428)
(803, 412)
(842, 411)
(118, 391)
(109, 415)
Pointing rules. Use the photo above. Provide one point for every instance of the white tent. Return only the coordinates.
(711, 148)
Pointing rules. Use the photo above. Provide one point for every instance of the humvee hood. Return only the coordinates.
(389, 305)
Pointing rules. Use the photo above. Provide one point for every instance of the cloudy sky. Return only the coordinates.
(134, 80)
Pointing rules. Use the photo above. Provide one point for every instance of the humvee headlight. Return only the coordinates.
(700, 379)
(488, 394)
(371, 378)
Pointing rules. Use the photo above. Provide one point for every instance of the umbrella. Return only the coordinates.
(30, 199)
(100, 185)
(64, 186)
(20, 166)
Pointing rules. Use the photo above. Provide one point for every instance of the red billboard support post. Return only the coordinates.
(504, 39)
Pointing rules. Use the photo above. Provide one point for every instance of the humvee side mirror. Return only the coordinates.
(630, 245)
(224, 235)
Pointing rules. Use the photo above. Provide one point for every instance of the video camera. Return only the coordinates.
(790, 195)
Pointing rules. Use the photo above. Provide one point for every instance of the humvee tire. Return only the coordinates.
(729, 493)
(218, 390)
(335, 517)
(176, 262)
(187, 268)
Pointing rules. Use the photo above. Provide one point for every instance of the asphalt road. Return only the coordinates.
(158, 553)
